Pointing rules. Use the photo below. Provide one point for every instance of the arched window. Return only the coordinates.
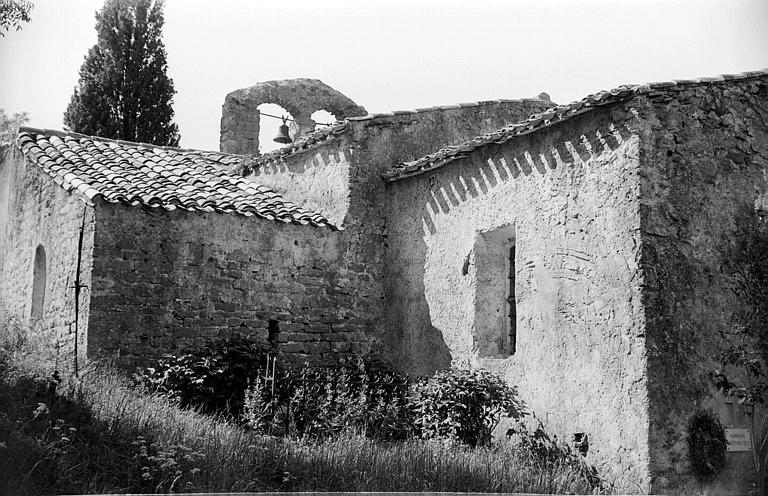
(38, 283)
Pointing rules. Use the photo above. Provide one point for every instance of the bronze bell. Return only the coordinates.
(282, 133)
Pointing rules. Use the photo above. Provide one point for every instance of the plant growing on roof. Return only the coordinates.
(124, 91)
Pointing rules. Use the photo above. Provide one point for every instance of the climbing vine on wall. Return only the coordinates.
(706, 444)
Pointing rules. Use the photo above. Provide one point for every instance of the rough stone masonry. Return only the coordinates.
(580, 250)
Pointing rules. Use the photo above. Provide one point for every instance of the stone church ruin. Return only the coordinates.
(577, 250)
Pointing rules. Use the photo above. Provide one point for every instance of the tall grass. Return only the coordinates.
(96, 434)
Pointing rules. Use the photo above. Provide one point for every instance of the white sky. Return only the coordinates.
(393, 54)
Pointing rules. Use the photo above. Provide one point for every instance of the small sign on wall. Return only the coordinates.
(738, 440)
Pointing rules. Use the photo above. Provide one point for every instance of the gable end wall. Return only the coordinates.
(571, 194)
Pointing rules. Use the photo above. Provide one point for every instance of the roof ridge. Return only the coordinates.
(550, 116)
(394, 113)
(63, 133)
(309, 141)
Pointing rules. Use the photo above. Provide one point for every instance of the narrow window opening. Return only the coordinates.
(38, 283)
(495, 303)
(274, 332)
(511, 303)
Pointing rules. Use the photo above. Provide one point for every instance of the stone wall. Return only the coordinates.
(317, 179)
(346, 170)
(704, 164)
(300, 97)
(569, 196)
(342, 179)
(168, 280)
(34, 212)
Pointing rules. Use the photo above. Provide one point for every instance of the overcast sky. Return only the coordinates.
(393, 55)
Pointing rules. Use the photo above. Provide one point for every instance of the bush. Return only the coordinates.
(212, 378)
(463, 405)
(548, 452)
(114, 439)
(460, 405)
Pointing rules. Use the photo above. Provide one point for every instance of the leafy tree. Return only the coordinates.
(9, 126)
(124, 91)
(13, 13)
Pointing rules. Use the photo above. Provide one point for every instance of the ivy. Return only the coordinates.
(706, 444)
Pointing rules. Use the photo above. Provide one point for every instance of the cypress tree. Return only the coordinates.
(124, 91)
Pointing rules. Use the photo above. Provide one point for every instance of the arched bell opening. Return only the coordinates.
(270, 120)
(322, 118)
(240, 119)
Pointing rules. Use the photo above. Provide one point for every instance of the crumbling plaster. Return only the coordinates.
(343, 173)
(317, 180)
(346, 171)
(571, 194)
(35, 211)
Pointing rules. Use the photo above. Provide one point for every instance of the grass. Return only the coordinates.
(97, 434)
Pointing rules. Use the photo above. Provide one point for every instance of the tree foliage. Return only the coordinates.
(749, 280)
(124, 91)
(9, 126)
(13, 13)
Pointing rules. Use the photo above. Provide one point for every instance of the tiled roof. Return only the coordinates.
(550, 116)
(162, 177)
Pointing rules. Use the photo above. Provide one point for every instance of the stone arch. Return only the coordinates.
(39, 276)
(268, 126)
(322, 116)
(301, 97)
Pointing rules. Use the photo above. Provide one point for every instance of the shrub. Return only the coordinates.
(463, 405)
(129, 442)
(548, 452)
(212, 378)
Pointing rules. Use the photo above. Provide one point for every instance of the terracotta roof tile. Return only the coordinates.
(161, 177)
(544, 119)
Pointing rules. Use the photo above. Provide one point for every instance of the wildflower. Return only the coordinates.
(42, 409)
